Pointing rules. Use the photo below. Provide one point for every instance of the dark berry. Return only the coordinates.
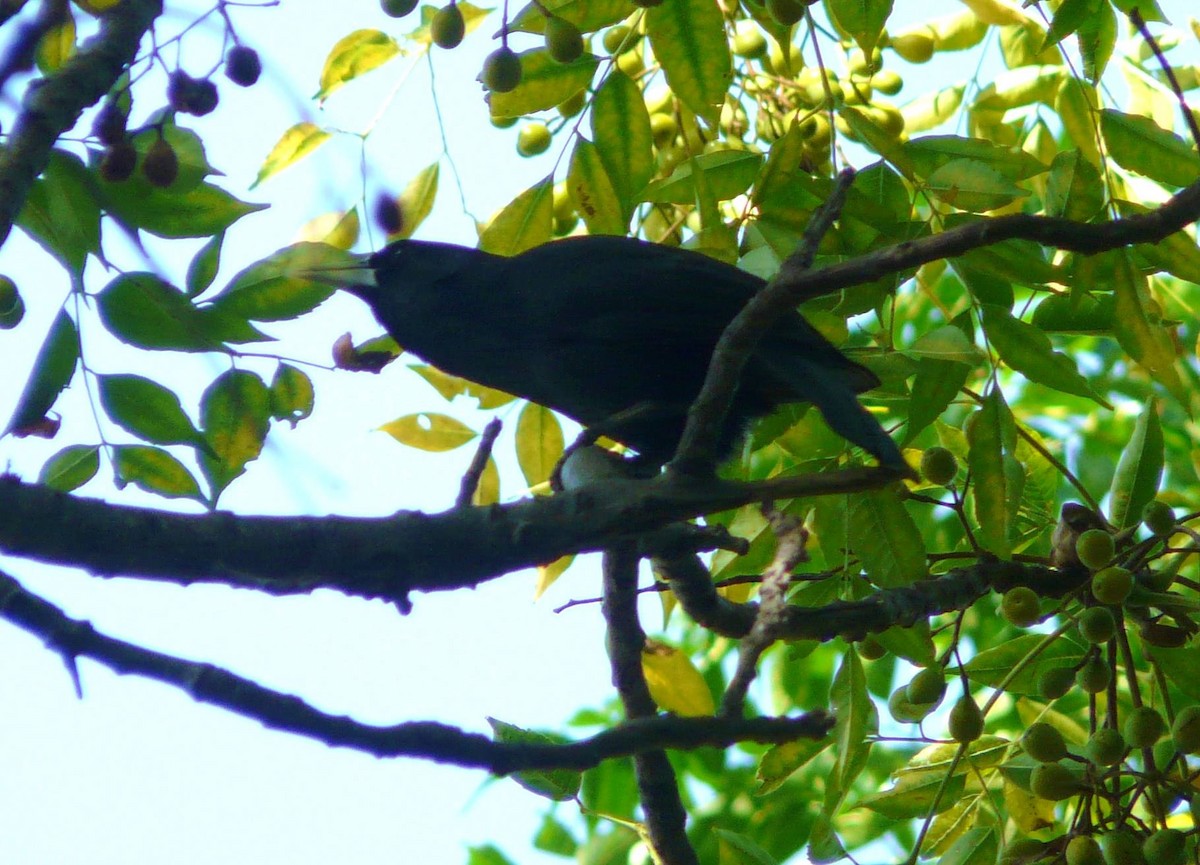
(242, 65)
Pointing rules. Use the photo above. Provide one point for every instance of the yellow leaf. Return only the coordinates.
(429, 432)
(295, 144)
(539, 443)
(548, 574)
(675, 684)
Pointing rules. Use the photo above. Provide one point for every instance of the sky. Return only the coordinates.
(137, 772)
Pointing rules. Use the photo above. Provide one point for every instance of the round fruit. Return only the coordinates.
(663, 128)
(1097, 625)
(1094, 676)
(1043, 743)
(870, 649)
(12, 307)
(1095, 549)
(928, 686)
(615, 39)
(786, 12)
(534, 138)
(242, 65)
(502, 70)
(966, 720)
(161, 165)
(1185, 732)
(1112, 585)
(109, 125)
(938, 466)
(1055, 682)
(1121, 847)
(447, 27)
(504, 122)
(1021, 851)
(563, 40)
(118, 162)
(748, 40)
(914, 47)
(887, 82)
(389, 214)
(397, 8)
(1165, 847)
(1159, 518)
(572, 105)
(1053, 781)
(905, 711)
(1143, 727)
(1083, 850)
(1106, 747)
(1020, 606)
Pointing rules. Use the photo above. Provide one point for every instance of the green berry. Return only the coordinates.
(1106, 747)
(1021, 606)
(1121, 847)
(887, 82)
(1112, 585)
(966, 720)
(1054, 781)
(534, 138)
(1159, 518)
(1083, 850)
(938, 466)
(927, 687)
(663, 128)
(871, 649)
(1185, 732)
(748, 40)
(1055, 682)
(447, 27)
(1143, 727)
(617, 39)
(502, 70)
(563, 40)
(1095, 548)
(1094, 676)
(572, 105)
(12, 307)
(914, 47)
(1097, 624)
(1043, 743)
(397, 8)
(1165, 847)
(905, 711)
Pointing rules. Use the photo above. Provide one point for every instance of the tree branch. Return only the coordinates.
(53, 105)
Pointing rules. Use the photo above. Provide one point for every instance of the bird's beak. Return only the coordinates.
(332, 266)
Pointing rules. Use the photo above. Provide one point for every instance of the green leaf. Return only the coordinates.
(1076, 104)
(930, 152)
(1135, 482)
(545, 83)
(61, 212)
(1074, 189)
(146, 409)
(862, 19)
(52, 371)
(1177, 254)
(857, 720)
(235, 412)
(203, 268)
(1068, 18)
(556, 784)
(416, 201)
(972, 185)
(688, 37)
(885, 537)
(592, 191)
(71, 468)
(989, 487)
(978, 846)
(621, 132)
(1097, 38)
(280, 286)
(729, 173)
(142, 310)
(189, 156)
(354, 55)
(588, 15)
(993, 665)
(525, 222)
(936, 385)
(1027, 350)
(155, 471)
(781, 761)
(947, 342)
(296, 143)
(429, 431)
(202, 211)
(914, 794)
(292, 395)
(1139, 144)
(738, 849)
(539, 443)
(1077, 312)
(1148, 344)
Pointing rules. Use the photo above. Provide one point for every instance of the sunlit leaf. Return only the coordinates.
(354, 55)
(688, 37)
(296, 143)
(235, 413)
(539, 443)
(525, 222)
(674, 682)
(155, 471)
(1135, 482)
(429, 431)
(70, 468)
(556, 784)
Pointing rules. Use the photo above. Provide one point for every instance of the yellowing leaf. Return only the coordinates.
(525, 222)
(674, 683)
(57, 44)
(355, 54)
(1139, 144)
(416, 201)
(592, 192)
(548, 574)
(295, 144)
(688, 37)
(539, 443)
(429, 431)
(996, 11)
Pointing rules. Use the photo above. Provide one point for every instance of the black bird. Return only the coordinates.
(595, 326)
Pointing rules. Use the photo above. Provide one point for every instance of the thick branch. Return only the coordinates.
(53, 106)
(373, 558)
(425, 740)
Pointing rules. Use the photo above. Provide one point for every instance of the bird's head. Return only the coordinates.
(410, 264)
